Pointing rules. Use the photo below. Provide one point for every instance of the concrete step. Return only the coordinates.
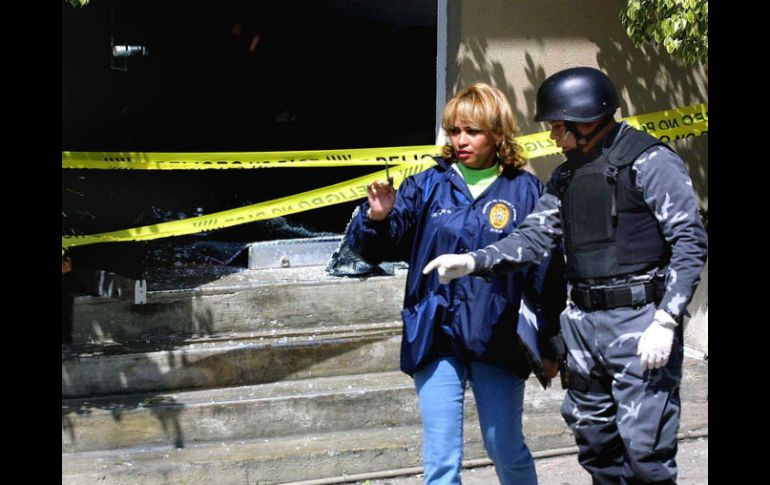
(278, 409)
(274, 460)
(307, 457)
(265, 461)
(234, 359)
(245, 301)
(368, 401)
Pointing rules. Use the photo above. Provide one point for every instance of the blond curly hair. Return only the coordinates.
(485, 107)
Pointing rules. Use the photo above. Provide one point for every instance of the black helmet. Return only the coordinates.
(581, 94)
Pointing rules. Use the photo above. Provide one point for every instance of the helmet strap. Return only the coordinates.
(589, 141)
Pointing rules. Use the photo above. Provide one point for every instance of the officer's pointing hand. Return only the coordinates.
(450, 266)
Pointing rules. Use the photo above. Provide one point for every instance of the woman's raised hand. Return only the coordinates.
(382, 196)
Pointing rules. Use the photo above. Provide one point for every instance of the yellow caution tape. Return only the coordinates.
(246, 160)
(669, 125)
(334, 194)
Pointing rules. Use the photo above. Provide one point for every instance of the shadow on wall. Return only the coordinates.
(652, 80)
(476, 66)
(647, 79)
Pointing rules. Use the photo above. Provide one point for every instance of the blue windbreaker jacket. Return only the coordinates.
(470, 318)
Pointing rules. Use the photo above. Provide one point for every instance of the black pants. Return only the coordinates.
(626, 435)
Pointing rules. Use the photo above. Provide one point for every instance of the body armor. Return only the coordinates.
(608, 228)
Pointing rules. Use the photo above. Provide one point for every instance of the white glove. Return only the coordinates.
(451, 266)
(656, 342)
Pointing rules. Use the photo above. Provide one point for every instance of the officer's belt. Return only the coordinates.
(627, 295)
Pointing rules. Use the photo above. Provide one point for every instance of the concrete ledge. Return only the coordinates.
(251, 359)
(248, 301)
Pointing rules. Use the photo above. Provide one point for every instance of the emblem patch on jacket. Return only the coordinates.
(499, 215)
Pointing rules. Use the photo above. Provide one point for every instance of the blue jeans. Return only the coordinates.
(499, 399)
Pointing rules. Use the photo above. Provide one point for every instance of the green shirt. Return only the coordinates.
(477, 179)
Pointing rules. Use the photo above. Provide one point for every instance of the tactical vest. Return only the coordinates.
(608, 228)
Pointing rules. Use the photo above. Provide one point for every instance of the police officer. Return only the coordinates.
(624, 208)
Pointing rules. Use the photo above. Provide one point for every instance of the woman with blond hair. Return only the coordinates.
(465, 331)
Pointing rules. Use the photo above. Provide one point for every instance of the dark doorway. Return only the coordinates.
(234, 76)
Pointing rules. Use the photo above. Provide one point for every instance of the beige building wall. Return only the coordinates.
(516, 44)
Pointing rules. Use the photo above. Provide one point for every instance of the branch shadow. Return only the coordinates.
(647, 78)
